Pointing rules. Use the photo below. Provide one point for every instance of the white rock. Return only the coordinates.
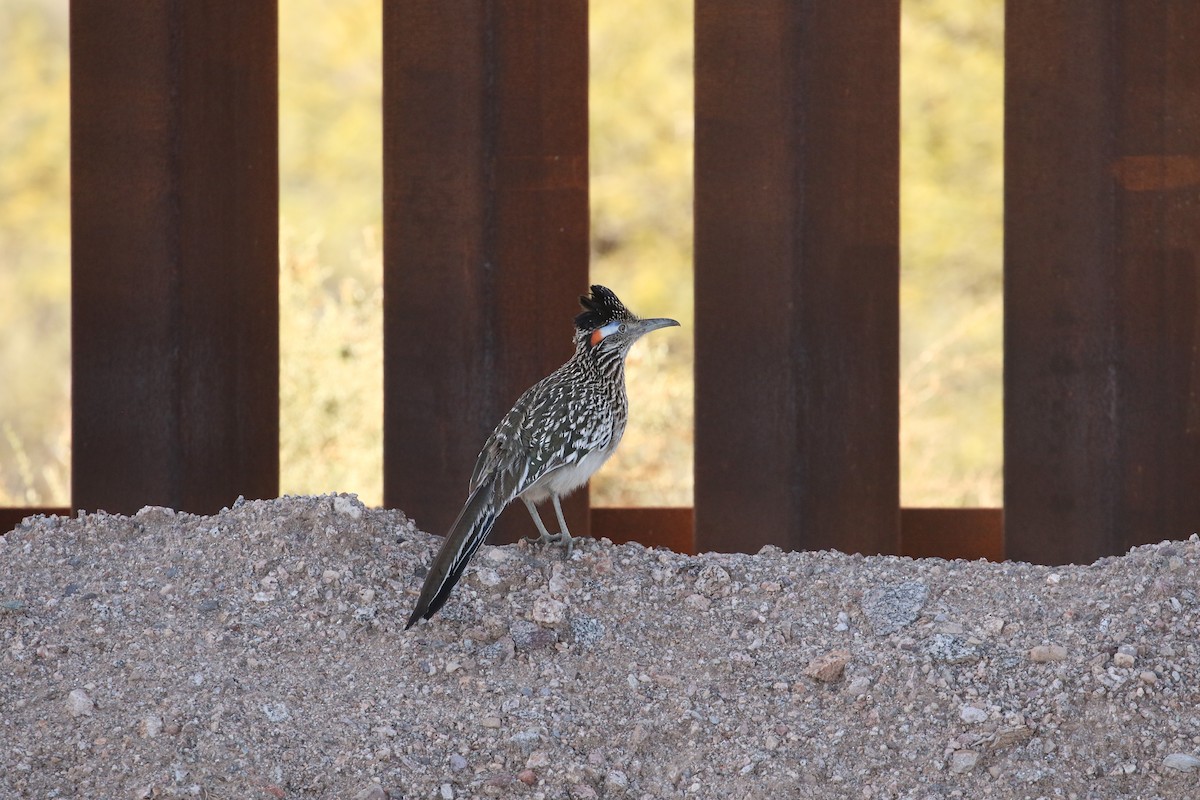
(79, 704)
(150, 726)
(548, 611)
(963, 761)
(1048, 652)
(350, 506)
(1184, 762)
(447, 792)
(972, 714)
(1125, 657)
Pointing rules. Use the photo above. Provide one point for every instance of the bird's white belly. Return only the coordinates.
(569, 477)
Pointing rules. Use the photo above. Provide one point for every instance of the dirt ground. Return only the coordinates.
(261, 653)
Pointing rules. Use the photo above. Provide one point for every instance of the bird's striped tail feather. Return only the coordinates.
(466, 535)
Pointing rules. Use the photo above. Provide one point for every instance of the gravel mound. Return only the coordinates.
(260, 653)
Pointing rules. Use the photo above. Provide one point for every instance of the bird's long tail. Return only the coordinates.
(466, 535)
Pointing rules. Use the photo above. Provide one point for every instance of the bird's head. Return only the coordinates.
(606, 327)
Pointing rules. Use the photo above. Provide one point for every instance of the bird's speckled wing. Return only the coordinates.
(531, 441)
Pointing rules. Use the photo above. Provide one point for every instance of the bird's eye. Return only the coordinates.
(622, 328)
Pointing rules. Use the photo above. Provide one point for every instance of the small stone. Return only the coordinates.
(616, 780)
(487, 577)
(947, 649)
(1184, 762)
(79, 704)
(548, 611)
(348, 506)
(1148, 676)
(711, 580)
(447, 792)
(528, 636)
(697, 602)
(828, 667)
(209, 605)
(993, 626)
(457, 762)
(150, 726)
(12, 605)
(971, 714)
(1125, 657)
(890, 608)
(963, 761)
(1044, 653)
(373, 792)
(527, 777)
(490, 722)
(538, 759)
(276, 712)
(586, 631)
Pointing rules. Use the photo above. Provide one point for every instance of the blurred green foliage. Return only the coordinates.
(641, 173)
(34, 254)
(951, 251)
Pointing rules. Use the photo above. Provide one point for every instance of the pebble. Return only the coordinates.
(616, 780)
(948, 649)
(586, 631)
(1043, 653)
(490, 722)
(1125, 657)
(348, 506)
(1183, 762)
(828, 667)
(276, 712)
(373, 792)
(150, 726)
(972, 714)
(890, 608)
(79, 703)
(548, 611)
(447, 792)
(527, 777)
(457, 762)
(963, 761)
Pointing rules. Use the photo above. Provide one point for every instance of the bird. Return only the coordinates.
(561, 430)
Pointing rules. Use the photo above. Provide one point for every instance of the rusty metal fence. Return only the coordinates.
(175, 265)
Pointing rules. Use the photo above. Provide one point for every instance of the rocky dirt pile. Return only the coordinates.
(260, 653)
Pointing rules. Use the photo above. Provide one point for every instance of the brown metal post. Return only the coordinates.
(174, 225)
(797, 275)
(485, 232)
(1102, 285)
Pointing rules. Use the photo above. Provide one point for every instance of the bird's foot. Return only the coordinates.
(548, 538)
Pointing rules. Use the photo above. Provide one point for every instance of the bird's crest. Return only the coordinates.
(601, 308)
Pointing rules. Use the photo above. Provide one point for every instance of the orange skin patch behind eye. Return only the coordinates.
(601, 332)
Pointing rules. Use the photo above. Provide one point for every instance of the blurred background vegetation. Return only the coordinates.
(641, 171)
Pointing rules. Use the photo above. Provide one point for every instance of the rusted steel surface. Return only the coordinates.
(797, 275)
(485, 232)
(174, 225)
(1102, 291)
(653, 527)
(967, 533)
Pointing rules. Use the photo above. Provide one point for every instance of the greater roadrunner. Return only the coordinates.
(555, 437)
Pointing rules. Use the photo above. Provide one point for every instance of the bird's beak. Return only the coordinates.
(647, 325)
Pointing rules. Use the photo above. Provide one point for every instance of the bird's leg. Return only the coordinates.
(546, 537)
(565, 534)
